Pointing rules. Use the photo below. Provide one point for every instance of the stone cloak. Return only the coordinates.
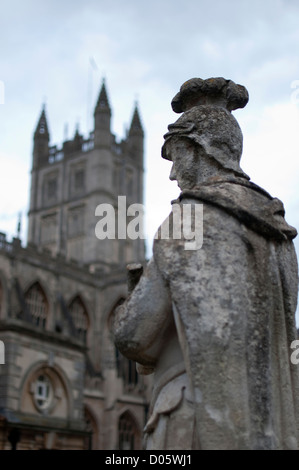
(234, 301)
(233, 305)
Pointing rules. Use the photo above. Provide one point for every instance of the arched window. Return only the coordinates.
(126, 369)
(37, 305)
(91, 428)
(128, 435)
(80, 318)
(43, 393)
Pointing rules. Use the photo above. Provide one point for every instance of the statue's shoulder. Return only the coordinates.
(246, 202)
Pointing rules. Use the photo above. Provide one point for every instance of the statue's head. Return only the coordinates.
(207, 131)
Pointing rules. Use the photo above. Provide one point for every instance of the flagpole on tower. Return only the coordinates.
(92, 66)
(19, 225)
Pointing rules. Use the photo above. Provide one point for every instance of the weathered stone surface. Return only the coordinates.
(217, 91)
(216, 323)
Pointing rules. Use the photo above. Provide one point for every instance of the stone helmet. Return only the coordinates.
(207, 119)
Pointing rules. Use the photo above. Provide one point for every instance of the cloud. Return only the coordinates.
(149, 49)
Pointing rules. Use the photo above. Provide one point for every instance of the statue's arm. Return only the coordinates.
(141, 321)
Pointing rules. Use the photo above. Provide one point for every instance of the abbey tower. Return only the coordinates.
(68, 183)
(63, 384)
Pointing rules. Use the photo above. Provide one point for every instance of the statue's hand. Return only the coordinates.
(134, 273)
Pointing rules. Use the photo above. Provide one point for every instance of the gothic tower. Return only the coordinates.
(69, 183)
(64, 385)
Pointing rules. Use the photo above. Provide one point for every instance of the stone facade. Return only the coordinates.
(63, 384)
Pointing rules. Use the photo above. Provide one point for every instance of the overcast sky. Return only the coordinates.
(146, 50)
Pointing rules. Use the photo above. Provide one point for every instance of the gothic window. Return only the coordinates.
(129, 182)
(126, 370)
(79, 179)
(50, 188)
(80, 318)
(43, 392)
(76, 221)
(77, 182)
(127, 432)
(37, 305)
(48, 228)
(75, 248)
(91, 428)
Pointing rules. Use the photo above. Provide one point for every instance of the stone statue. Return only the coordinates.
(214, 324)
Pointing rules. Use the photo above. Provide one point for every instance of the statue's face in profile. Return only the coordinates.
(181, 151)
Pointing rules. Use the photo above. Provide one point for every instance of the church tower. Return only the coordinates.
(41, 141)
(136, 137)
(64, 381)
(69, 182)
(102, 120)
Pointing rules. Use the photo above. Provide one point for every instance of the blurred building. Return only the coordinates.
(63, 384)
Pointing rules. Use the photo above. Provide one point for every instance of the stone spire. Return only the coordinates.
(103, 102)
(136, 126)
(102, 119)
(136, 136)
(42, 129)
(41, 141)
